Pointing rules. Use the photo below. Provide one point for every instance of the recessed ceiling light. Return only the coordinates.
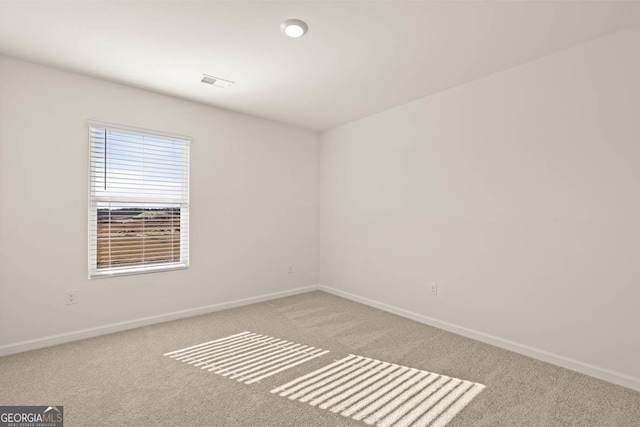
(294, 28)
(215, 81)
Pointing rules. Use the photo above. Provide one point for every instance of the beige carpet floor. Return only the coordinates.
(123, 379)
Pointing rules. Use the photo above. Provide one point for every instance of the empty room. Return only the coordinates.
(319, 213)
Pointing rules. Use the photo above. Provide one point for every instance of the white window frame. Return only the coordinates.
(94, 200)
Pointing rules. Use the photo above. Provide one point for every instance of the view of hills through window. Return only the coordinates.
(136, 236)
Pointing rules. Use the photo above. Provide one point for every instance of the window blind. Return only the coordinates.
(138, 200)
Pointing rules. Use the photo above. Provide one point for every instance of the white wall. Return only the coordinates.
(254, 205)
(517, 193)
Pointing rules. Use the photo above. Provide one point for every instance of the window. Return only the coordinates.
(138, 201)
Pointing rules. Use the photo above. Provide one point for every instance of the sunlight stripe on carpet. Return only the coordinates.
(382, 393)
(246, 357)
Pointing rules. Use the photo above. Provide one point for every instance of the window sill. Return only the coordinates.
(128, 271)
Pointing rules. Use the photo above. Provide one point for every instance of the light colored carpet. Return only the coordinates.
(381, 393)
(247, 357)
(124, 379)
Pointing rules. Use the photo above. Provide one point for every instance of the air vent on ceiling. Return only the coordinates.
(215, 81)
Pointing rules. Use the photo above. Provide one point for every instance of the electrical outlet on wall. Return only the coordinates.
(292, 268)
(71, 297)
(433, 290)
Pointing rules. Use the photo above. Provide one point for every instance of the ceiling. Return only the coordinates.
(358, 58)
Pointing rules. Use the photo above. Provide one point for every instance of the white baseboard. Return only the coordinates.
(19, 347)
(565, 362)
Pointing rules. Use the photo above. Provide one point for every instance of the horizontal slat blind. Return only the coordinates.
(138, 201)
